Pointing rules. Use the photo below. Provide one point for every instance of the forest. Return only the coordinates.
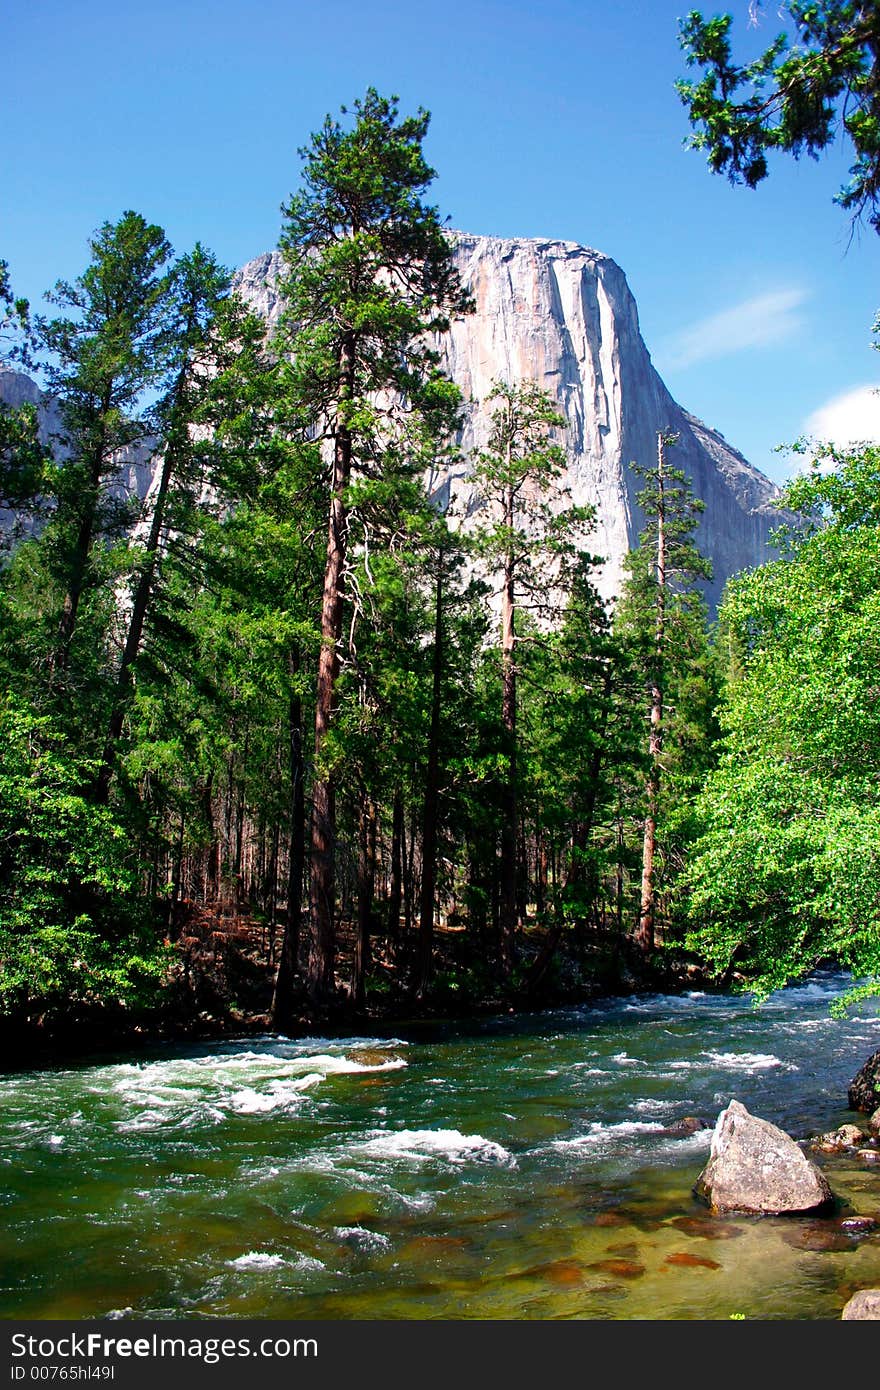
(291, 740)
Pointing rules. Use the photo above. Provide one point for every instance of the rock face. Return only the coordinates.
(864, 1089)
(864, 1306)
(563, 315)
(755, 1167)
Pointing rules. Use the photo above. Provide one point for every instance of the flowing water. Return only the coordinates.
(514, 1168)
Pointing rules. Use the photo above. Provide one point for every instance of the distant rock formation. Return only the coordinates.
(563, 315)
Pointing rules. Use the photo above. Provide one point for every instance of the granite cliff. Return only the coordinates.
(563, 315)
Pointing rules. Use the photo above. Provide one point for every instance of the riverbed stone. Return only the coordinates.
(864, 1306)
(874, 1123)
(858, 1225)
(685, 1127)
(846, 1137)
(757, 1168)
(864, 1089)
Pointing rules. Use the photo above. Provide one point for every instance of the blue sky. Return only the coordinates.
(547, 120)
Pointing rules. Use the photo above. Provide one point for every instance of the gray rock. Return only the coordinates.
(864, 1306)
(864, 1089)
(755, 1167)
(563, 315)
(874, 1123)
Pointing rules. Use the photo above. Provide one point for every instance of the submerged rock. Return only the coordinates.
(821, 1236)
(846, 1137)
(858, 1225)
(864, 1089)
(864, 1306)
(690, 1124)
(622, 1269)
(756, 1167)
(688, 1261)
(705, 1228)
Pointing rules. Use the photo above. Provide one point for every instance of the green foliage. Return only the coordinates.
(784, 867)
(525, 536)
(666, 678)
(71, 932)
(793, 97)
(23, 457)
(367, 264)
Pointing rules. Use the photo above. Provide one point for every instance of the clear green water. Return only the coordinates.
(512, 1169)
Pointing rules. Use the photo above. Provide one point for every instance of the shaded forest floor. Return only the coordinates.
(223, 973)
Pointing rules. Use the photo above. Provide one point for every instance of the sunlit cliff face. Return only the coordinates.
(563, 315)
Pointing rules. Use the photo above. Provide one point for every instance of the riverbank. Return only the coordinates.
(221, 983)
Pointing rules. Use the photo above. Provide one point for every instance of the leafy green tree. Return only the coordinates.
(202, 328)
(368, 276)
(783, 866)
(794, 97)
(73, 933)
(569, 749)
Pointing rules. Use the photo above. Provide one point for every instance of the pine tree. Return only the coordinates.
(106, 355)
(198, 343)
(23, 456)
(527, 545)
(369, 275)
(659, 602)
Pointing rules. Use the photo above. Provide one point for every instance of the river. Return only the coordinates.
(512, 1168)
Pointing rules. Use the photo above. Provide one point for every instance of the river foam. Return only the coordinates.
(448, 1145)
(185, 1092)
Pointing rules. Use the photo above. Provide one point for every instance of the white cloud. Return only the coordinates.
(762, 321)
(850, 418)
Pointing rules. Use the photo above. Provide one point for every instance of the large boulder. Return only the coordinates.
(864, 1306)
(864, 1089)
(755, 1167)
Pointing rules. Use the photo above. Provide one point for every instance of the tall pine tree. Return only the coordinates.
(369, 275)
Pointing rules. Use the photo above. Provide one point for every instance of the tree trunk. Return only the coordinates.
(320, 977)
(580, 840)
(645, 932)
(395, 888)
(430, 825)
(366, 884)
(83, 545)
(283, 996)
(142, 595)
(507, 869)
